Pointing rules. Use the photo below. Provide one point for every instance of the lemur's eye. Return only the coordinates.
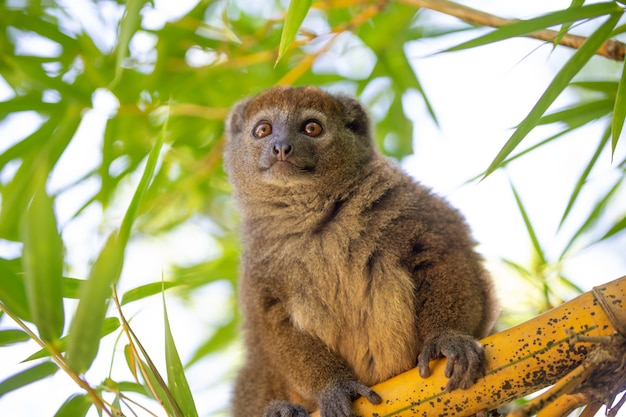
(312, 128)
(262, 129)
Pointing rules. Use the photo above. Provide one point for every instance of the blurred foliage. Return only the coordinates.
(166, 89)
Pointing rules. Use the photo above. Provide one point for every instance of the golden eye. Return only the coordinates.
(262, 129)
(312, 128)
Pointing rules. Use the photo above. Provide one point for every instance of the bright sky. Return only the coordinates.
(478, 96)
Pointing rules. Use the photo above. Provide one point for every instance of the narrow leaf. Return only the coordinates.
(146, 291)
(71, 287)
(43, 263)
(293, 20)
(144, 182)
(156, 385)
(593, 217)
(27, 376)
(525, 27)
(575, 4)
(560, 81)
(583, 178)
(606, 87)
(619, 226)
(529, 228)
(161, 392)
(128, 26)
(176, 379)
(221, 338)
(619, 112)
(580, 113)
(12, 291)
(84, 337)
(131, 361)
(109, 326)
(75, 406)
(12, 336)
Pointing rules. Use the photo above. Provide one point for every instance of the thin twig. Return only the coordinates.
(612, 48)
(56, 356)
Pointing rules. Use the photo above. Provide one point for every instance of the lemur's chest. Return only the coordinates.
(360, 303)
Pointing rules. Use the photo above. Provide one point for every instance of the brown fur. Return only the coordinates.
(350, 269)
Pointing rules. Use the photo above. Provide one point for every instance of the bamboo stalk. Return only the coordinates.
(612, 48)
(520, 360)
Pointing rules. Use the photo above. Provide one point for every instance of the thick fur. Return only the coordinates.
(350, 269)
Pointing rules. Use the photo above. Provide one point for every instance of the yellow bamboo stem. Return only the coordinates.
(520, 360)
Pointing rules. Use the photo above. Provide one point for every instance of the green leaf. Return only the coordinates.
(176, 379)
(617, 227)
(128, 27)
(619, 112)
(27, 376)
(125, 386)
(85, 329)
(146, 291)
(162, 394)
(293, 20)
(109, 326)
(12, 291)
(12, 336)
(583, 178)
(525, 27)
(71, 287)
(43, 263)
(144, 182)
(580, 113)
(529, 228)
(575, 4)
(219, 340)
(75, 406)
(593, 217)
(84, 336)
(606, 87)
(44, 148)
(560, 81)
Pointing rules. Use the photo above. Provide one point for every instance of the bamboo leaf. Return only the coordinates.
(130, 361)
(619, 112)
(220, 339)
(524, 27)
(293, 20)
(593, 217)
(12, 336)
(583, 178)
(84, 337)
(560, 81)
(144, 182)
(71, 287)
(606, 87)
(27, 376)
(176, 379)
(109, 326)
(128, 27)
(12, 291)
(85, 329)
(580, 113)
(566, 26)
(619, 226)
(529, 228)
(43, 263)
(161, 393)
(146, 291)
(75, 406)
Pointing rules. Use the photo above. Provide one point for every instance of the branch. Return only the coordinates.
(612, 48)
(520, 360)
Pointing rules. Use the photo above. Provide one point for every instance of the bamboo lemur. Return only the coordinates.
(351, 271)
